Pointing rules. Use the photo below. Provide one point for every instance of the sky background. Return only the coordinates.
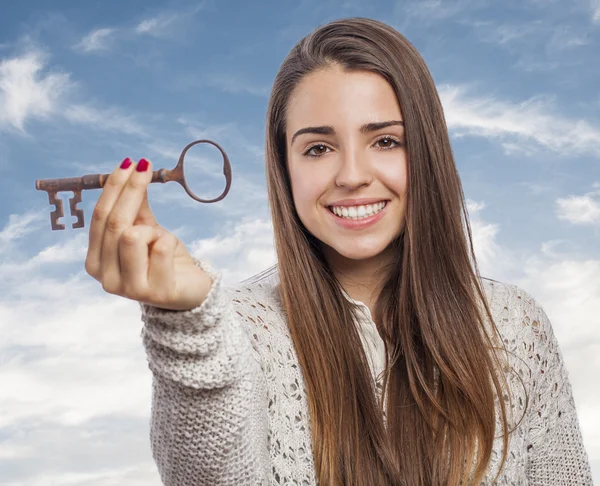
(85, 84)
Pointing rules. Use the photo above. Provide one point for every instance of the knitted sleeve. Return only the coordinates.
(208, 421)
(556, 455)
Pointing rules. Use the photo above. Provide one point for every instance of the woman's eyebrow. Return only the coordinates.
(329, 130)
(372, 127)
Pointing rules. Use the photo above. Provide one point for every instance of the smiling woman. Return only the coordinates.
(375, 353)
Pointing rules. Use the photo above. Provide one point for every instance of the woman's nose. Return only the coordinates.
(353, 170)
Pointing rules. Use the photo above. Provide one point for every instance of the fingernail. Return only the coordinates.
(126, 163)
(142, 165)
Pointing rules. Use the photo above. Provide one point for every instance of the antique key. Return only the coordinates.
(96, 181)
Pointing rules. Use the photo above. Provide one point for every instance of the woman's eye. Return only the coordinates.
(320, 150)
(386, 142)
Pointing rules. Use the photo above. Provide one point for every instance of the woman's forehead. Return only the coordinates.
(338, 97)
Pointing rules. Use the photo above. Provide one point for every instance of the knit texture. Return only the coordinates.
(229, 405)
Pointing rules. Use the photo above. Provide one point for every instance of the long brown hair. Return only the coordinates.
(436, 420)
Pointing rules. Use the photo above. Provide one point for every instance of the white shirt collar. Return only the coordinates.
(361, 305)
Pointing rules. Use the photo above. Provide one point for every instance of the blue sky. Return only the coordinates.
(84, 85)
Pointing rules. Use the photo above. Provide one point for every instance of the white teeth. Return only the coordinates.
(358, 212)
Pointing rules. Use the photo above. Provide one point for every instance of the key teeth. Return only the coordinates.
(57, 213)
(75, 211)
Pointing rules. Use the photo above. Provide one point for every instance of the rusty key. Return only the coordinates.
(96, 181)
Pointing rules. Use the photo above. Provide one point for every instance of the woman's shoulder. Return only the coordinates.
(520, 319)
(548, 438)
(257, 295)
(257, 303)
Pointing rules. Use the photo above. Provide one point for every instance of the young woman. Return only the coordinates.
(373, 353)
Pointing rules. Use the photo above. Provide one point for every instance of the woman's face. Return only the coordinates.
(347, 161)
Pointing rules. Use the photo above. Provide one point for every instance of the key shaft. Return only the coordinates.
(88, 181)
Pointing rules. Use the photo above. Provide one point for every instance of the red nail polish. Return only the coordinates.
(142, 165)
(126, 163)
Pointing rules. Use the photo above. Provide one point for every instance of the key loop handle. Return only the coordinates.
(177, 174)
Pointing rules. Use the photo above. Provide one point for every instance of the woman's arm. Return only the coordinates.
(556, 455)
(209, 422)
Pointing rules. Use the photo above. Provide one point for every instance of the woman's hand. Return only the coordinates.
(132, 255)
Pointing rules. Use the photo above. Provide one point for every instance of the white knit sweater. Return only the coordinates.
(229, 404)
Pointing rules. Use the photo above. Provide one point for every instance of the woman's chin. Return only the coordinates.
(357, 254)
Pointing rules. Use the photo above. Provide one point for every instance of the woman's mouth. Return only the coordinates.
(358, 212)
(358, 217)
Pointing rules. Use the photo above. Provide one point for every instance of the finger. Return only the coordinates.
(146, 216)
(134, 260)
(161, 267)
(108, 197)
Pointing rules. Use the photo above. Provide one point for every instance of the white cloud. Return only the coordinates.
(156, 25)
(502, 34)
(244, 250)
(234, 84)
(168, 24)
(18, 226)
(595, 4)
(493, 260)
(535, 188)
(563, 39)
(164, 24)
(62, 253)
(131, 476)
(524, 36)
(579, 209)
(96, 40)
(527, 126)
(569, 289)
(107, 119)
(428, 10)
(26, 92)
(533, 64)
(484, 235)
(73, 373)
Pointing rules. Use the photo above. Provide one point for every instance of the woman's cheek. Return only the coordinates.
(305, 185)
(394, 175)
(305, 196)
